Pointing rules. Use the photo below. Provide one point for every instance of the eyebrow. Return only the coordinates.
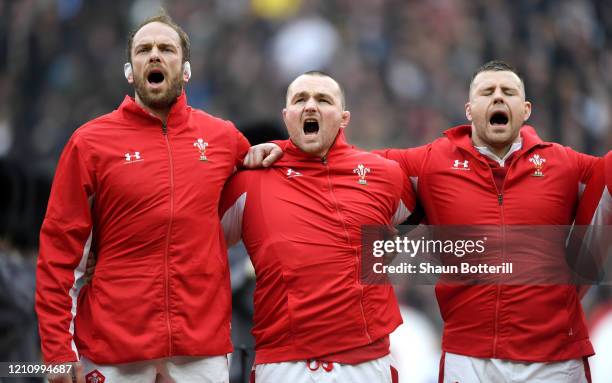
(317, 95)
(150, 44)
(493, 86)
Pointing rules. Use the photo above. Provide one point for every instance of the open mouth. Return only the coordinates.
(311, 126)
(155, 77)
(498, 119)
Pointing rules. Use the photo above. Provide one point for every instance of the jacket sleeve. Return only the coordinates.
(410, 160)
(231, 207)
(65, 240)
(241, 146)
(407, 201)
(585, 165)
(593, 197)
(589, 240)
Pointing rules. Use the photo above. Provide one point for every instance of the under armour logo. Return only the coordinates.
(461, 165)
(464, 163)
(292, 173)
(132, 157)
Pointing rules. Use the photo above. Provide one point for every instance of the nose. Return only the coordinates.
(154, 55)
(498, 96)
(310, 105)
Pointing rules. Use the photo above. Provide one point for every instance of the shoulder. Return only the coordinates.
(204, 117)
(91, 131)
(98, 123)
(380, 161)
(567, 153)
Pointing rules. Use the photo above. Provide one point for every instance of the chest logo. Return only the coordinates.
(292, 173)
(201, 146)
(362, 172)
(461, 165)
(538, 163)
(132, 157)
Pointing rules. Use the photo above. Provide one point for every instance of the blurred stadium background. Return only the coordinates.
(405, 66)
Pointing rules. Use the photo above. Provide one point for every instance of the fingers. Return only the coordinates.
(79, 372)
(76, 375)
(254, 157)
(274, 155)
(262, 155)
(60, 378)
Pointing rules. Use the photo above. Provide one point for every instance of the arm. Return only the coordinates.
(411, 161)
(231, 207)
(65, 241)
(587, 245)
(585, 166)
(241, 147)
(407, 201)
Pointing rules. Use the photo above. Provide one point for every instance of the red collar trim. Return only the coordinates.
(179, 112)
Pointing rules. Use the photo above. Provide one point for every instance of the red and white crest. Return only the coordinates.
(95, 376)
(362, 172)
(201, 145)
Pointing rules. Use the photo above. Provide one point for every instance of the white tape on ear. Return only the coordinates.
(187, 69)
(127, 70)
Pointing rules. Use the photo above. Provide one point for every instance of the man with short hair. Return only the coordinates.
(301, 220)
(140, 187)
(497, 171)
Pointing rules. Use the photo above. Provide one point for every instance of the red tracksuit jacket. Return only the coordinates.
(455, 186)
(596, 203)
(140, 196)
(301, 224)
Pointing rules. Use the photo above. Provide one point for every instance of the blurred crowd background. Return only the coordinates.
(405, 66)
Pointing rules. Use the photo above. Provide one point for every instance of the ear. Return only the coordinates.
(346, 118)
(527, 110)
(468, 111)
(284, 112)
(127, 72)
(186, 71)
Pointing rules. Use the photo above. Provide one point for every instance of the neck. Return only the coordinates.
(499, 150)
(161, 113)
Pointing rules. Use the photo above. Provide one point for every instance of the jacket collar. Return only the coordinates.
(461, 136)
(179, 112)
(292, 153)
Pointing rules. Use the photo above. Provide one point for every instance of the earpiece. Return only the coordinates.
(127, 70)
(187, 69)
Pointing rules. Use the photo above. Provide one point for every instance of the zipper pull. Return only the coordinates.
(164, 128)
(324, 160)
(500, 199)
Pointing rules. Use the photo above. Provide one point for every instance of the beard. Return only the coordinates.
(163, 99)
